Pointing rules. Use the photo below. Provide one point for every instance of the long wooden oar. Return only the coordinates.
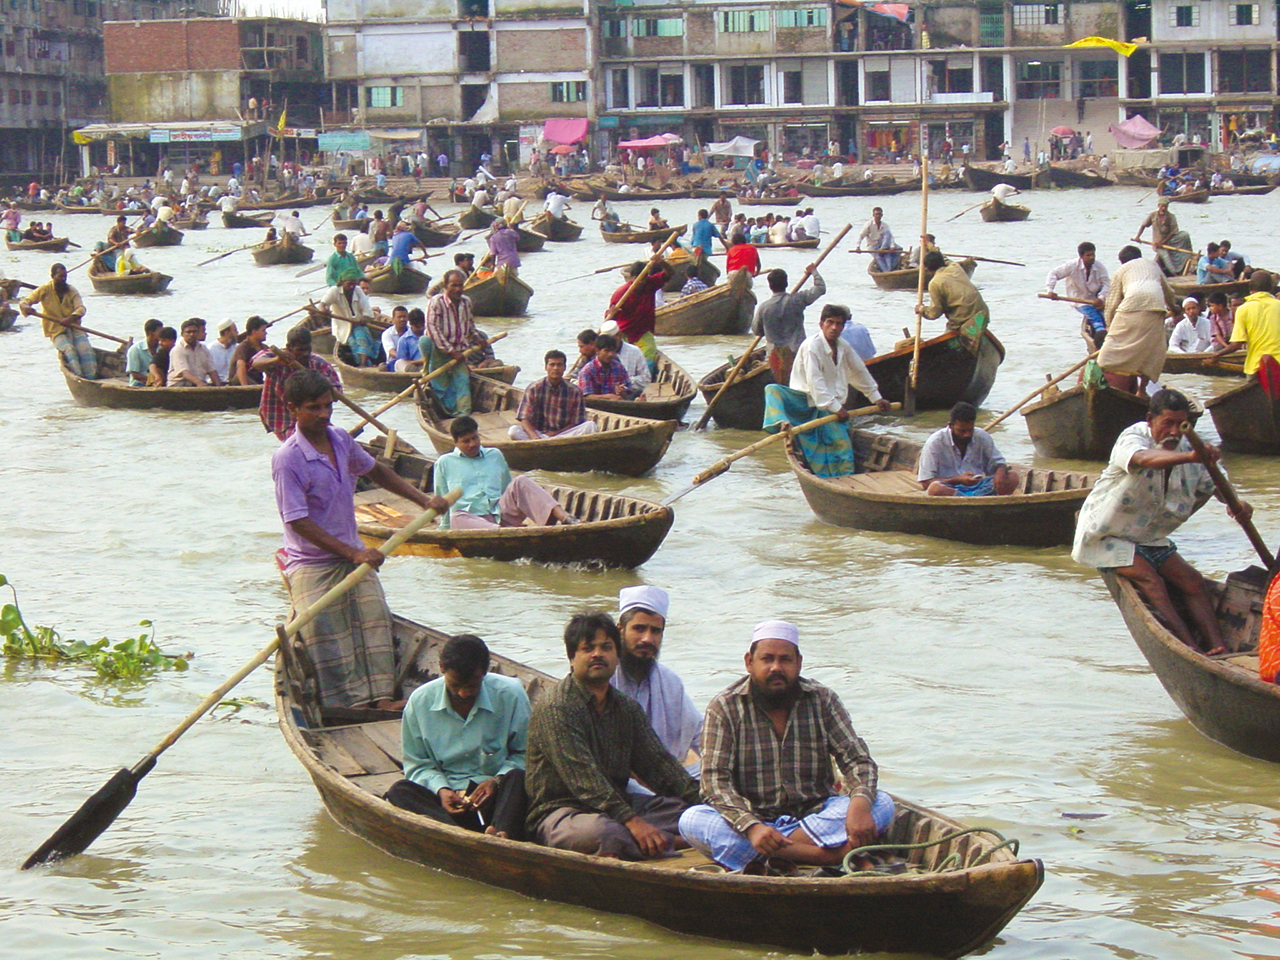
(742, 361)
(614, 310)
(966, 210)
(913, 379)
(1229, 497)
(70, 326)
(1062, 299)
(98, 254)
(227, 254)
(100, 810)
(616, 266)
(425, 378)
(1039, 390)
(1163, 246)
(722, 465)
(967, 256)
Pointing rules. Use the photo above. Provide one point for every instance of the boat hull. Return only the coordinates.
(909, 278)
(640, 236)
(993, 211)
(279, 252)
(556, 229)
(157, 238)
(741, 407)
(116, 392)
(498, 295)
(672, 390)
(56, 245)
(1082, 423)
(388, 381)
(386, 282)
(724, 309)
(236, 221)
(150, 282)
(952, 369)
(975, 178)
(1247, 419)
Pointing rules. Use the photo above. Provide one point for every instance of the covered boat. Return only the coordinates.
(389, 381)
(157, 235)
(884, 495)
(1222, 696)
(741, 407)
(386, 281)
(497, 293)
(725, 308)
(909, 277)
(56, 245)
(625, 234)
(993, 211)
(107, 281)
(1083, 422)
(666, 398)
(288, 249)
(626, 445)
(112, 389)
(556, 229)
(1247, 418)
(238, 221)
(953, 896)
(614, 530)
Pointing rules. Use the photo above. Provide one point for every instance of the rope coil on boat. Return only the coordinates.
(951, 862)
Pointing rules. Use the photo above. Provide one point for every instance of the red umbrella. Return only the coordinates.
(1062, 132)
(563, 148)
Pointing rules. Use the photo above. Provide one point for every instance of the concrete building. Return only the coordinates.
(469, 77)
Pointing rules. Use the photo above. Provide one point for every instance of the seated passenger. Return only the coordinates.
(551, 407)
(158, 371)
(961, 460)
(767, 772)
(490, 496)
(142, 353)
(604, 377)
(585, 740)
(463, 736)
(408, 347)
(190, 363)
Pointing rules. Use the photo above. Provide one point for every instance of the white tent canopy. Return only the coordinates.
(737, 147)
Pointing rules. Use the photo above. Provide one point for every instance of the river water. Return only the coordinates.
(996, 685)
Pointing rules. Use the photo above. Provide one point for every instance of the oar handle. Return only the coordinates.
(1039, 390)
(914, 378)
(1228, 494)
(614, 310)
(1049, 296)
(813, 267)
(70, 326)
(297, 623)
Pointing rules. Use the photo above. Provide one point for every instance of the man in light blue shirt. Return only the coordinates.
(961, 460)
(138, 361)
(490, 496)
(463, 736)
(858, 336)
(702, 233)
(1212, 268)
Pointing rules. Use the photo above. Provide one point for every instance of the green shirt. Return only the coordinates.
(337, 265)
(582, 758)
(442, 749)
(483, 480)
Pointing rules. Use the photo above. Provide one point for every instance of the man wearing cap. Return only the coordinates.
(1194, 332)
(642, 622)
(585, 740)
(340, 261)
(224, 348)
(629, 354)
(767, 752)
(190, 364)
(349, 315)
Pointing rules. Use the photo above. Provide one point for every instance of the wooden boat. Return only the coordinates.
(150, 282)
(238, 221)
(350, 224)
(528, 241)
(676, 266)
(725, 308)
(624, 234)
(287, 249)
(615, 530)
(473, 218)
(56, 245)
(909, 277)
(91, 208)
(1186, 286)
(640, 193)
(1206, 364)
(1195, 196)
(556, 229)
(953, 367)
(976, 178)
(386, 282)
(435, 235)
(666, 398)
(198, 222)
(112, 389)
(627, 445)
(1223, 696)
(993, 211)
(810, 244)
(157, 236)
(1071, 179)
(769, 201)
(741, 407)
(8, 316)
(1136, 177)
(954, 898)
(497, 294)
(388, 381)
(1238, 191)
(34, 205)
(1247, 418)
(884, 495)
(293, 201)
(1083, 422)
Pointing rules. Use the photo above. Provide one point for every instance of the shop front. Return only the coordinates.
(888, 139)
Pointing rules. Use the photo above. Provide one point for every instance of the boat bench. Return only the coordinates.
(367, 754)
(894, 482)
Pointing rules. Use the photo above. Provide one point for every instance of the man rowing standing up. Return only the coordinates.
(953, 293)
(276, 365)
(292, 225)
(636, 315)
(722, 212)
(58, 300)
(961, 460)
(824, 370)
(780, 320)
(1153, 483)
(642, 623)
(1086, 279)
(463, 737)
(1257, 324)
(1137, 304)
(880, 243)
(702, 233)
(340, 261)
(490, 496)
(190, 363)
(1173, 246)
(403, 240)
(349, 643)
(503, 247)
(452, 331)
(552, 406)
(349, 314)
(743, 256)
(768, 748)
(585, 741)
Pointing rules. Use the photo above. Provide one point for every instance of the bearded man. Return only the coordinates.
(58, 301)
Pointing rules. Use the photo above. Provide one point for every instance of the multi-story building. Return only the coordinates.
(478, 76)
(51, 74)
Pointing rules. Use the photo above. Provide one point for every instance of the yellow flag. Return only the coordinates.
(280, 125)
(1119, 46)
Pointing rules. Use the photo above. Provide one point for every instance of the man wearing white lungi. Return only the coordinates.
(1139, 300)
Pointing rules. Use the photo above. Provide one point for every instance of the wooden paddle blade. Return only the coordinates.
(909, 399)
(94, 816)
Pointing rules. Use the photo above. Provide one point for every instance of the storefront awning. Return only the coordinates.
(737, 147)
(651, 143)
(400, 133)
(173, 131)
(565, 130)
(895, 11)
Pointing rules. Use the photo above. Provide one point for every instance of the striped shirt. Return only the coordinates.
(449, 325)
(751, 775)
(272, 408)
(552, 409)
(596, 378)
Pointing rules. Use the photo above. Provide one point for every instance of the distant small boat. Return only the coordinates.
(111, 389)
(908, 278)
(1195, 196)
(809, 244)
(389, 381)
(624, 234)
(725, 308)
(1186, 286)
(435, 235)
(238, 221)
(1071, 179)
(287, 249)
(556, 229)
(769, 201)
(473, 218)
(130, 283)
(976, 178)
(497, 294)
(1206, 364)
(158, 235)
(385, 281)
(993, 211)
(56, 245)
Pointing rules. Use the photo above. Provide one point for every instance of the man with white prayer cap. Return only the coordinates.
(642, 620)
(767, 751)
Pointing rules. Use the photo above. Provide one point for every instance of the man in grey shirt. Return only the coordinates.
(780, 320)
(961, 460)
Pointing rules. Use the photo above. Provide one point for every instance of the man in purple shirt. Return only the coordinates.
(503, 239)
(349, 644)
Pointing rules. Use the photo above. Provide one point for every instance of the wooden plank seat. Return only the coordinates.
(493, 425)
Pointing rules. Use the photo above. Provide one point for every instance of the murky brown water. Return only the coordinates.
(999, 686)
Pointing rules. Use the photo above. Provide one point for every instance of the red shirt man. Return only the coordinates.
(743, 256)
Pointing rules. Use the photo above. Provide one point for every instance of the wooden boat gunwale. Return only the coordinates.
(151, 282)
(907, 278)
(390, 381)
(54, 245)
(718, 310)
(629, 235)
(674, 408)
(114, 391)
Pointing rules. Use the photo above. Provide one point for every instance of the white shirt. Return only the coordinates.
(873, 233)
(227, 204)
(291, 224)
(336, 301)
(637, 367)
(1093, 286)
(837, 170)
(361, 244)
(940, 458)
(1003, 191)
(811, 227)
(389, 338)
(555, 205)
(827, 379)
(671, 711)
(1010, 166)
(1192, 338)
(222, 358)
(480, 198)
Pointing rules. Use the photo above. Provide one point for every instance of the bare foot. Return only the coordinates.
(501, 834)
(386, 703)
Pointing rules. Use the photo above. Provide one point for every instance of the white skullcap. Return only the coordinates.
(226, 325)
(776, 630)
(644, 597)
(1190, 300)
(610, 328)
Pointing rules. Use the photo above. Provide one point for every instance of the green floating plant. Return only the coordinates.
(131, 659)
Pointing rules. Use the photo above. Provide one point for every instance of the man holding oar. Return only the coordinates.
(450, 331)
(1137, 304)
(58, 300)
(350, 644)
(340, 261)
(636, 313)
(780, 319)
(276, 365)
(953, 293)
(349, 313)
(1172, 245)
(1086, 280)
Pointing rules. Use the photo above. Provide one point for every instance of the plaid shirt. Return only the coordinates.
(552, 409)
(596, 378)
(450, 327)
(751, 775)
(272, 408)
